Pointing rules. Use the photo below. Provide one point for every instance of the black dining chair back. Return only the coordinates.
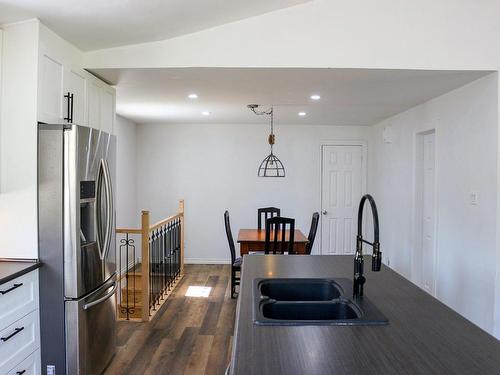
(276, 241)
(266, 213)
(235, 262)
(312, 233)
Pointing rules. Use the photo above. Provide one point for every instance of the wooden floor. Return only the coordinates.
(189, 335)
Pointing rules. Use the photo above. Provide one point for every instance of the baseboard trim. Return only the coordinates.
(206, 261)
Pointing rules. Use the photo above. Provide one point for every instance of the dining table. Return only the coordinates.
(254, 240)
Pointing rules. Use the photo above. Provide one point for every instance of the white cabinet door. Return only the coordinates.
(29, 366)
(93, 104)
(75, 84)
(50, 91)
(107, 109)
(18, 297)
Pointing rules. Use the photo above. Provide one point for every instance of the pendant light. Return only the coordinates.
(271, 166)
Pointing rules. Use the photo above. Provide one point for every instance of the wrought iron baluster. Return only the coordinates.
(129, 308)
(150, 249)
(172, 252)
(157, 234)
(162, 257)
(179, 239)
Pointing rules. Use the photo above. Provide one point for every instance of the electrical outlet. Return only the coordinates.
(51, 370)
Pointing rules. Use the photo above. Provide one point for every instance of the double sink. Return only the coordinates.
(312, 302)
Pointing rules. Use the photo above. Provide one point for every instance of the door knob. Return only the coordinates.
(324, 212)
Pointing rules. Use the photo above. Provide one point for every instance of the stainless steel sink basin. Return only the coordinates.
(339, 310)
(300, 289)
(312, 302)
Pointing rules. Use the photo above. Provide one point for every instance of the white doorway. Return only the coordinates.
(424, 259)
(343, 182)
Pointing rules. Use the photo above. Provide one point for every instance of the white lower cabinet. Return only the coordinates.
(18, 298)
(20, 326)
(30, 366)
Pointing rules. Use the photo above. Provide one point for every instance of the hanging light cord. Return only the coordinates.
(271, 136)
(269, 112)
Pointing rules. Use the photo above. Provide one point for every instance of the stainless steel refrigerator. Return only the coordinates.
(76, 220)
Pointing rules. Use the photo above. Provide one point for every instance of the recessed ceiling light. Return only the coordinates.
(193, 96)
(315, 97)
(206, 113)
(302, 113)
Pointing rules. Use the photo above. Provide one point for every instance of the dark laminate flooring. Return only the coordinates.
(189, 335)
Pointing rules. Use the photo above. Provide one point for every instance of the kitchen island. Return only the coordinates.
(423, 335)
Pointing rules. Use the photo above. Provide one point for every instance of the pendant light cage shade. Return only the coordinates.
(271, 166)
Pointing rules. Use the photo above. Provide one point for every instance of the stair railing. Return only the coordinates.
(160, 268)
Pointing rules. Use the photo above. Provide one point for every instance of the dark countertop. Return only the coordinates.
(11, 269)
(423, 335)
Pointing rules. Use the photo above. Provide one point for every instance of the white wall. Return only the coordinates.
(18, 141)
(127, 214)
(466, 156)
(214, 168)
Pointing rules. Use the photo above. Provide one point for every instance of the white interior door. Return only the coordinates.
(342, 188)
(428, 213)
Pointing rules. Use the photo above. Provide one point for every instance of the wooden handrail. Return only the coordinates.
(128, 230)
(165, 221)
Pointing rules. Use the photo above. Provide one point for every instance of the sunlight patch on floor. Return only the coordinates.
(198, 291)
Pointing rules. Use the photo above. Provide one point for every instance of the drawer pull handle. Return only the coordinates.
(20, 372)
(16, 331)
(2, 292)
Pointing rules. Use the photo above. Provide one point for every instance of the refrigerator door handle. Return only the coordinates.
(102, 299)
(98, 212)
(109, 208)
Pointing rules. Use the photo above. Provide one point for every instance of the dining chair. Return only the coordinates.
(279, 243)
(266, 212)
(312, 233)
(235, 262)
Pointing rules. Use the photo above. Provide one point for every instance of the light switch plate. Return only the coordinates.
(474, 198)
(387, 134)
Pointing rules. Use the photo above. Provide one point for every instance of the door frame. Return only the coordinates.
(364, 173)
(432, 128)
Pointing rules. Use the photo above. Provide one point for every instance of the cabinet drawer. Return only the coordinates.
(29, 366)
(19, 297)
(18, 341)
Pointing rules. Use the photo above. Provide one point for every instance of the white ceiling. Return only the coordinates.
(348, 96)
(96, 24)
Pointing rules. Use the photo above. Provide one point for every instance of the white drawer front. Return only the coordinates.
(29, 366)
(18, 301)
(18, 341)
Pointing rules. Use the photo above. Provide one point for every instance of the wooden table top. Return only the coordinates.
(259, 235)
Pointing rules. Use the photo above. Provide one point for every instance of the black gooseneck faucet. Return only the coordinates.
(359, 279)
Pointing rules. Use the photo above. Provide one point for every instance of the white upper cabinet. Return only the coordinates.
(94, 104)
(66, 92)
(107, 109)
(75, 96)
(50, 90)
